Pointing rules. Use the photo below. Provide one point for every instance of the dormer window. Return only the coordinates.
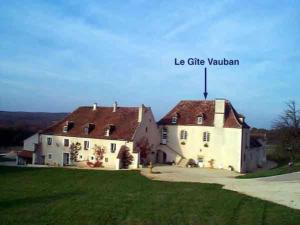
(65, 129)
(174, 120)
(88, 128)
(68, 126)
(199, 119)
(109, 129)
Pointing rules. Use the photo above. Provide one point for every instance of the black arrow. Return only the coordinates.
(205, 82)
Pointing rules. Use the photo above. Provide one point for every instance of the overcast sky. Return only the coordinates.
(58, 55)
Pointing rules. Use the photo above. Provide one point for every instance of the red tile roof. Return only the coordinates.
(188, 111)
(124, 120)
(25, 154)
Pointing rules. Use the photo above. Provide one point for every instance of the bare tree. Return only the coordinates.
(288, 129)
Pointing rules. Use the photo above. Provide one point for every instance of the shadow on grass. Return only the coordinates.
(155, 172)
(4, 159)
(4, 170)
(35, 200)
(11, 170)
(280, 170)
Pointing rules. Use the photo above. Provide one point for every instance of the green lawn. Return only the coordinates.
(66, 196)
(281, 169)
(3, 159)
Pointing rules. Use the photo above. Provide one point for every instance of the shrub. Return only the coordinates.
(125, 157)
(191, 163)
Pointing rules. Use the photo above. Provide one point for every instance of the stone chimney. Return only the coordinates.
(141, 113)
(242, 118)
(94, 106)
(219, 112)
(115, 106)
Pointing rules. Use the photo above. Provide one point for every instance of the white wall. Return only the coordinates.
(57, 149)
(224, 146)
(245, 149)
(30, 142)
(148, 129)
(255, 158)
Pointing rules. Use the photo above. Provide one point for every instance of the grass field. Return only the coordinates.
(66, 196)
(282, 168)
(3, 159)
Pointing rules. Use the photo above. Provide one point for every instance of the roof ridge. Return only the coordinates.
(84, 106)
(185, 100)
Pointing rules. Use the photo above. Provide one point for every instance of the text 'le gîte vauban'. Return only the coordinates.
(209, 61)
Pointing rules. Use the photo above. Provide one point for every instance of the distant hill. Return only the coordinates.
(29, 120)
(16, 126)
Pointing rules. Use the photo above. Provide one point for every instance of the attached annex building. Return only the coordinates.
(210, 133)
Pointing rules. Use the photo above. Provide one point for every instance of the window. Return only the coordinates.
(86, 145)
(49, 141)
(174, 119)
(199, 120)
(183, 134)
(92, 158)
(49, 156)
(107, 131)
(146, 129)
(206, 136)
(106, 159)
(66, 142)
(113, 147)
(65, 129)
(80, 157)
(164, 136)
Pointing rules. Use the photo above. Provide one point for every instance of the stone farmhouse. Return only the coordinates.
(113, 137)
(207, 133)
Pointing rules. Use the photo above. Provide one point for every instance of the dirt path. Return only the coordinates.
(282, 189)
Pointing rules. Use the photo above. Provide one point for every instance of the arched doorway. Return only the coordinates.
(161, 156)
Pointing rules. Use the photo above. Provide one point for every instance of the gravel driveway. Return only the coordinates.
(282, 189)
